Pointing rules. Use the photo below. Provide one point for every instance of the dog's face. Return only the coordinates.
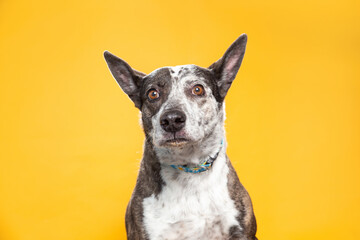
(180, 105)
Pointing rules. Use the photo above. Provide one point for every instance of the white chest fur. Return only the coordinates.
(191, 206)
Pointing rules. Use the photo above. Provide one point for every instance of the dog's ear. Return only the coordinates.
(226, 68)
(128, 79)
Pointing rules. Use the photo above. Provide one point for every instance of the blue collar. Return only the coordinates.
(206, 165)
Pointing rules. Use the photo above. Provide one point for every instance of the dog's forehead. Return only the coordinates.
(182, 71)
(179, 73)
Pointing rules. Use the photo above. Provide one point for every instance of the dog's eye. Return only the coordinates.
(153, 94)
(198, 90)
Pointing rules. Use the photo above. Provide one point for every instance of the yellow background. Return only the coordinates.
(71, 140)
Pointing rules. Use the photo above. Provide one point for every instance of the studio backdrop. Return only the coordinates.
(71, 141)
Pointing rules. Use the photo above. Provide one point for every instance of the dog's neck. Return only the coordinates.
(202, 167)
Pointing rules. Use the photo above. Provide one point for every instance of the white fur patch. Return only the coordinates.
(191, 206)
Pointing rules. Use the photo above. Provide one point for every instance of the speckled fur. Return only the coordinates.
(168, 203)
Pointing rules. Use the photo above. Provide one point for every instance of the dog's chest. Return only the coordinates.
(196, 207)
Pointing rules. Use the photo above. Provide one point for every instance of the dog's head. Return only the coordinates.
(180, 105)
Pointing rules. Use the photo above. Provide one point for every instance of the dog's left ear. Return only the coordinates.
(128, 78)
(226, 68)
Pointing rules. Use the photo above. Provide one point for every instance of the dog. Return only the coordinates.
(186, 186)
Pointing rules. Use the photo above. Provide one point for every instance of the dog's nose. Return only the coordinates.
(173, 121)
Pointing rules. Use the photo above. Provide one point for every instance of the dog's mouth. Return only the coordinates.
(176, 142)
(175, 139)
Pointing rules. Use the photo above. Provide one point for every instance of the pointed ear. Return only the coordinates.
(128, 79)
(226, 68)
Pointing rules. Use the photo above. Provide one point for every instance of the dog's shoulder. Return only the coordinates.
(242, 202)
(149, 182)
(133, 220)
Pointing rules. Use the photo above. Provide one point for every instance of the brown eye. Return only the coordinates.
(153, 94)
(198, 90)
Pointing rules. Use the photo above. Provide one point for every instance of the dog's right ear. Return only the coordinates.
(128, 79)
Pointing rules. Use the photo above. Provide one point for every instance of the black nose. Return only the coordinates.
(173, 121)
